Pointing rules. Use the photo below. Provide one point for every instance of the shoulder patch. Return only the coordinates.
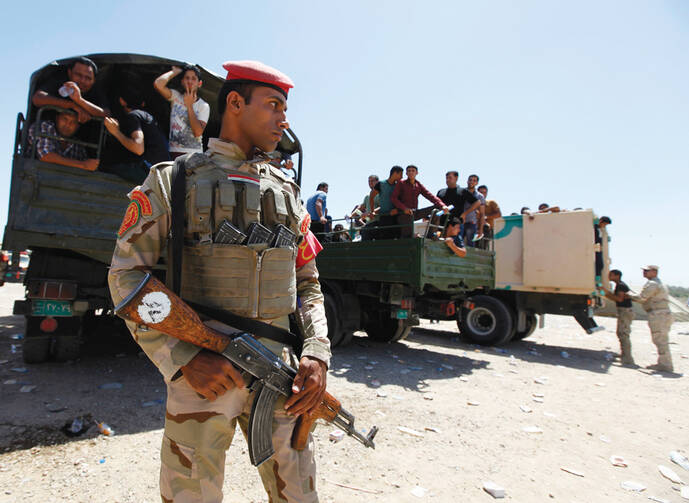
(305, 224)
(131, 217)
(143, 201)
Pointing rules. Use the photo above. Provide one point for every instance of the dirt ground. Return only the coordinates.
(467, 406)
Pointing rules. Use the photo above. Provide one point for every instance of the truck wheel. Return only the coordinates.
(66, 347)
(382, 328)
(488, 323)
(36, 344)
(67, 340)
(332, 315)
(36, 349)
(531, 324)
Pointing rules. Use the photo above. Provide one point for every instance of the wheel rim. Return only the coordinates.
(481, 321)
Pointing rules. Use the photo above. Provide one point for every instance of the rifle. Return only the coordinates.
(153, 305)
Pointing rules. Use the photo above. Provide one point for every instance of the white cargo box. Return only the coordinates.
(548, 252)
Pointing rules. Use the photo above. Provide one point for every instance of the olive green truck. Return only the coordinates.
(544, 263)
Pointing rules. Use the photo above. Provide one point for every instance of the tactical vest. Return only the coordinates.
(252, 281)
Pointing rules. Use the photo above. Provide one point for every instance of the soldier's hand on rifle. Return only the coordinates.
(308, 387)
(211, 375)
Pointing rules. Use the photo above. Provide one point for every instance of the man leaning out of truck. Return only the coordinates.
(453, 238)
(61, 151)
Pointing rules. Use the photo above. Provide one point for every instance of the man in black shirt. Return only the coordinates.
(76, 91)
(457, 196)
(144, 144)
(625, 314)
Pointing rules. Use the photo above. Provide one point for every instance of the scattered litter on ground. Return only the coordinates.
(493, 489)
(380, 393)
(28, 388)
(151, 403)
(540, 380)
(105, 429)
(572, 471)
(368, 367)
(75, 427)
(537, 395)
(448, 367)
(375, 383)
(685, 492)
(658, 500)
(670, 474)
(346, 365)
(605, 439)
(631, 485)
(618, 461)
(513, 360)
(336, 435)
(17, 337)
(353, 488)
(404, 371)
(532, 429)
(679, 459)
(600, 384)
(14, 348)
(409, 431)
(432, 428)
(111, 385)
(474, 403)
(464, 378)
(419, 491)
(10, 381)
(428, 397)
(564, 354)
(525, 408)
(21, 370)
(549, 414)
(534, 352)
(538, 399)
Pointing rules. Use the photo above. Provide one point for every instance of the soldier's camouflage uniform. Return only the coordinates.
(654, 297)
(199, 432)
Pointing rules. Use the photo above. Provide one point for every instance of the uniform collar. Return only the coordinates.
(225, 149)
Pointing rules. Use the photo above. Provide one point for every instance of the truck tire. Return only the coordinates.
(67, 340)
(332, 315)
(36, 345)
(489, 323)
(531, 323)
(36, 349)
(382, 328)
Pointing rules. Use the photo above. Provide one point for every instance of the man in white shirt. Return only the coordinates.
(188, 113)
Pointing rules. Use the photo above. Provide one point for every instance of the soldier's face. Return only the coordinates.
(82, 75)
(264, 119)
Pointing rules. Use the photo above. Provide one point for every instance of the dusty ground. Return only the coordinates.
(591, 409)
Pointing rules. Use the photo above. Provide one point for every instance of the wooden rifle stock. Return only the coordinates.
(327, 409)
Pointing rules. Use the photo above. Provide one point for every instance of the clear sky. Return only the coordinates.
(579, 104)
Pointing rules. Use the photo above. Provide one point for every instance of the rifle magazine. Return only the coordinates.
(260, 437)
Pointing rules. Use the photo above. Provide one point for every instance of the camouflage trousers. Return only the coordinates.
(660, 323)
(199, 432)
(625, 316)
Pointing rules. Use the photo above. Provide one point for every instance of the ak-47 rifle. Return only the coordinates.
(153, 305)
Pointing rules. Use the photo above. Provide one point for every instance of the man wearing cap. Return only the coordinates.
(654, 298)
(233, 182)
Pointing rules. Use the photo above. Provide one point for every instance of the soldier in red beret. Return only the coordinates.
(232, 183)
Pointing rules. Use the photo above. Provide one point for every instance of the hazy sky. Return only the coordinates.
(575, 104)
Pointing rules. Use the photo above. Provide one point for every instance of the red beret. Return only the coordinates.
(258, 72)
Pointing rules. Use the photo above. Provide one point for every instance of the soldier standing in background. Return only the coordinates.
(234, 183)
(625, 314)
(654, 297)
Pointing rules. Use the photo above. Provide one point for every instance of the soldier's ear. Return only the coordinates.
(235, 103)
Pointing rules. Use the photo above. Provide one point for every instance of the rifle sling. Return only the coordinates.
(254, 327)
